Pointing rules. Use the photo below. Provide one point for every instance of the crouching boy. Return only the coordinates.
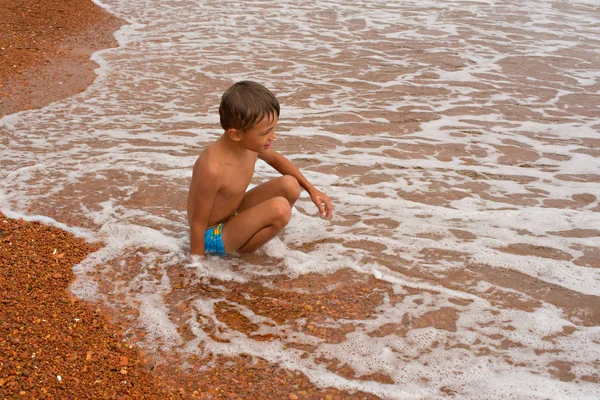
(223, 217)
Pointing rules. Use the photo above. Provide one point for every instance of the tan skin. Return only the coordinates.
(220, 178)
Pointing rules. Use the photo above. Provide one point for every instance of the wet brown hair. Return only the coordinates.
(245, 104)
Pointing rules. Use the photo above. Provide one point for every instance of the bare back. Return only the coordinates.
(231, 174)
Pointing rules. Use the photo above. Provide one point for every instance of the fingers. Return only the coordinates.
(324, 205)
(329, 208)
(320, 206)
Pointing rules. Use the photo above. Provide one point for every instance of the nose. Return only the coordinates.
(273, 135)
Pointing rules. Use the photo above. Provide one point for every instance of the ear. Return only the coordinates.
(234, 134)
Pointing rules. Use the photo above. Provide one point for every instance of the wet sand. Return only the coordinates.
(483, 290)
(45, 50)
(52, 344)
(56, 346)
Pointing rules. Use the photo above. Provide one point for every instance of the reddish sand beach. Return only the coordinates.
(459, 141)
(53, 345)
(45, 50)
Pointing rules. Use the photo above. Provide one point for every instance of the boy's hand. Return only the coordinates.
(323, 203)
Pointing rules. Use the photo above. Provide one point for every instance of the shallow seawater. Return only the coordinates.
(459, 141)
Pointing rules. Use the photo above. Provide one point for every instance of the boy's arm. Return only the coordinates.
(204, 190)
(285, 167)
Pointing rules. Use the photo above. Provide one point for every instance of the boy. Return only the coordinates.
(223, 217)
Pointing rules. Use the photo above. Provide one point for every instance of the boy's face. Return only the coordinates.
(260, 136)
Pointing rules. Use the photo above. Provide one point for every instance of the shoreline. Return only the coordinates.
(52, 344)
(465, 234)
(46, 49)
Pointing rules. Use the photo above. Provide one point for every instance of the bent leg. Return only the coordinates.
(256, 225)
(285, 186)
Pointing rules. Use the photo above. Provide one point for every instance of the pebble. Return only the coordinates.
(52, 341)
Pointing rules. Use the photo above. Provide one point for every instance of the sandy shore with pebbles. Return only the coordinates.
(462, 260)
(53, 345)
(45, 50)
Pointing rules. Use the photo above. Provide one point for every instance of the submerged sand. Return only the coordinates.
(53, 345)
(474, 304)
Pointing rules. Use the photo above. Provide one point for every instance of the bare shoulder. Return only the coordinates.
(208, 165)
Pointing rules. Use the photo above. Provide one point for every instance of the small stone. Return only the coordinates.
(123, 361)
(57, 276)
(292, 396)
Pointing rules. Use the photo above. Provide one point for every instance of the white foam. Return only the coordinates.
(155, 318)
(402, 112)
(80, 232)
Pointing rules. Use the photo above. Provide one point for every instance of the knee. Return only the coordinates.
(291, 188)
(281, 211)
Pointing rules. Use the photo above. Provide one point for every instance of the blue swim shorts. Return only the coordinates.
(213, 241)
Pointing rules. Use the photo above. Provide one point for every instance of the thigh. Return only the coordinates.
(240, 228)
(262, 193)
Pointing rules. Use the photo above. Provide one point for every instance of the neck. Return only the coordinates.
(232, 147)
